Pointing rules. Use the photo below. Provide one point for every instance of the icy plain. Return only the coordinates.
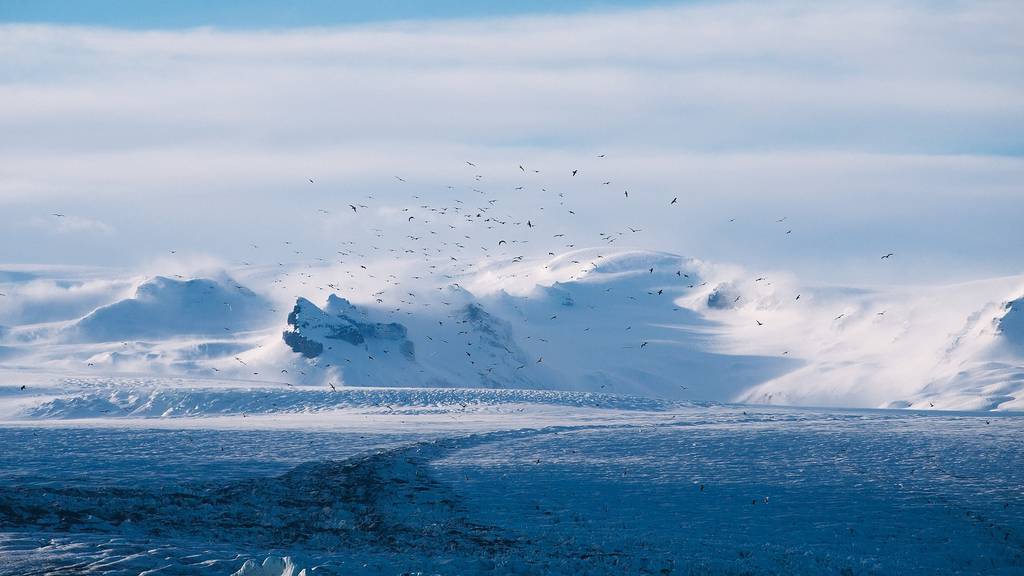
(199, 480)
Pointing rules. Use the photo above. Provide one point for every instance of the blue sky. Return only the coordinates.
(279, 14)
(871, 126)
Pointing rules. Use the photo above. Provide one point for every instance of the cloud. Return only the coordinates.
(44, 299)
(871, 124)
(70, 224)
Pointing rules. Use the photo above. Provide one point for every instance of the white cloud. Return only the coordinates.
(71, 224)
(870, 123)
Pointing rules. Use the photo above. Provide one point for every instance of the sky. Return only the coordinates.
(860, 128)
(242, 14)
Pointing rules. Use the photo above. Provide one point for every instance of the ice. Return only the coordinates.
(684, 490)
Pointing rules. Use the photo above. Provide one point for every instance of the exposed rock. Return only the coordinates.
(310, 327)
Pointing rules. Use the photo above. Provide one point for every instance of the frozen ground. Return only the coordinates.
(101, 476)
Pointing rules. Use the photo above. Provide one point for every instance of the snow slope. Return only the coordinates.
(166, 307)
(949, 347)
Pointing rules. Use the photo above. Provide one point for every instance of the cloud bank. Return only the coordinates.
(873, 127)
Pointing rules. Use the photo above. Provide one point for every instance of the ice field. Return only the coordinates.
(425, 481)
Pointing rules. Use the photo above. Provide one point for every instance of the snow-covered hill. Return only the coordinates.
(164, 307)
(949, 347)
(602, 320)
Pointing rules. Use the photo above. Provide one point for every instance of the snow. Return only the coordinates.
(271, 566)
(163, 307)
(616, 320)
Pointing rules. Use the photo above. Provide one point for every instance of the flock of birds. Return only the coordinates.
(453, 238)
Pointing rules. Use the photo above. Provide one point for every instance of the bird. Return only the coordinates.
(353, 207)
(887, 256)
(674, 200)
(759, 323)
(574, 172)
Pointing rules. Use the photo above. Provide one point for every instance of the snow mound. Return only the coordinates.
(271, 566)
(165, 307)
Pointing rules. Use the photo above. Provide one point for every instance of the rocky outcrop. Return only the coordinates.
(310, 328)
